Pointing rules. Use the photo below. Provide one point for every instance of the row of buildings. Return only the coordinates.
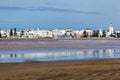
(67, 33)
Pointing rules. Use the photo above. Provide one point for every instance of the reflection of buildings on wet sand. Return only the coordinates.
(60, 55)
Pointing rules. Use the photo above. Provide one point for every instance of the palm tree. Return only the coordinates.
(15, 32)
(104, 33)
(11, 32)
(85, 34)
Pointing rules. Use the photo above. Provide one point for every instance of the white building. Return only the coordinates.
(29, 34)
(38, 34)
(18, 34)
(78, 33)
(100, 33)
(111, 29)
(58, 32)
(3, 33)
(89, 32)
(44, 34)
(111, 32)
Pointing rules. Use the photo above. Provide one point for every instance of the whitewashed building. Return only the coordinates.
(58, 32)
(44, 34)
(111, 29)
(29, 34)
(3, 33)
(100, 33)
(78, 33)
(89, 32)
(111, 32)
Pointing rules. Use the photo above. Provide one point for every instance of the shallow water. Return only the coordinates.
(9, 56)
(57, 50)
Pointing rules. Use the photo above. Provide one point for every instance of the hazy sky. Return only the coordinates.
(51, 14)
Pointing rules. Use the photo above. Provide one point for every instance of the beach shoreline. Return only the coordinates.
(107, 69)
(100, 69)
(89, 38)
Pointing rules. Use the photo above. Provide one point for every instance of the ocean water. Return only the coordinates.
(12, 56)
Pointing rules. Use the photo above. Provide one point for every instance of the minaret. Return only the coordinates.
(111, 28)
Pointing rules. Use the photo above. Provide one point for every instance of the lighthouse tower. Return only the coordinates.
(111, 29)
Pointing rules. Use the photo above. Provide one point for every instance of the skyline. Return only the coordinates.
(50, 14)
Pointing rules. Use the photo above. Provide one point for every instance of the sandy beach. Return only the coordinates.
(106, 69)
(67, 70)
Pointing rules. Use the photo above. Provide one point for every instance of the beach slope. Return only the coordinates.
(66, 70)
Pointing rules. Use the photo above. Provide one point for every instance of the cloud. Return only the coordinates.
(51, 9)
(10, 8)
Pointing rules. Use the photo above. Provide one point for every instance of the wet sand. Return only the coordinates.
(9, 44)
(67, 70)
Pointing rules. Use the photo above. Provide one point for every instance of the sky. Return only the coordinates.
(61, 14)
